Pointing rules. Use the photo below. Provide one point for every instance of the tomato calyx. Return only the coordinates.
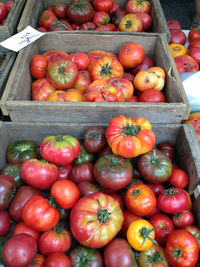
(144, 233)
(155, 258)
(177, 215)
(170, 192)
(113, 161)
(92, 136)
(59, 138)
(136, 193)
(128, 24)
(176, 253)
(131, 130)
(106, 69)
(103, 215)
(61, 70)
(52, 202)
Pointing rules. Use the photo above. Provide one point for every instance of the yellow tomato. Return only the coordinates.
(141, 235)
(177, 49)
(189, 207)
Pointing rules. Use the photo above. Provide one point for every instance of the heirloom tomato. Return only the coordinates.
(56, 240)
(55, 55)
(183, 219)
(87, 188)
(37, 261)
(173, 24)
(88, 26)
(119, 253)
(146, 63)
(140, 199)
(194, 43)
(101, 18)
(82, 173)
(80, 12)
(94, 138)
(129, 217)
(152, 257)
(194, 34)
(131, 55)
(65, 193)
(14, 171)
(154, 166)
(156, 188)
(128, 76)
(60, 25)
(182, 249)
(60, 149)
(83, 81)
(41, 89)
(74, 95)
(95, 220)
(39, 215)
(124, 87)
(58, 95)
(23, 194)
(22, 228)
(46, 18)
(173, 200)
(135, 6)
(19, 251)
(167, 149)
(80, 59)
(107, 67)
(83, 257)
(129, 137)
(63, 171)
(177, 37)
(195, 231)
(112, 171)
(186, 63)
(130, 23)
(38, 66)
(152, 96)
(140, 235)
(7, 188)
(117, 16)
(62, 74)
(84, 156)
(146, 20)
(57, 259)
(103, 5)
(114, 8)
(60, 10)
(5, 224)
(178, 178)
(39, 174)
(194, 52)
(20, 151)
(163, 227)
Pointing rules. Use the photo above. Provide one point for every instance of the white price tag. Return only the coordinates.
(22, 39)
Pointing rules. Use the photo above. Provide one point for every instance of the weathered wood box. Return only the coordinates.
(34, 8)
(183, 137)
(10, 26)
(16, 100)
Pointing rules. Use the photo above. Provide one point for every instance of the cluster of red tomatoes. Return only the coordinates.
(187, 60)
(4, 10)
(83, 197)
(98, 76)
(102, 15)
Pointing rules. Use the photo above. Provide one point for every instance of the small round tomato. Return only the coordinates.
(46, 18)
(183, 219)
(194, 34)
(65, 193)
(178, 178)
(147, 63)
(22, 228)
(140, 199)
(4, 223)
(38, 66)
(57, 259)
(152, 96)
(101, 18)
(94, 138)
(60, 10)
(146, 20)
(156, 188)
(103, 5)
(140, 235)
(167, 149)
(163, 227)
(80, 59)
(41, 89)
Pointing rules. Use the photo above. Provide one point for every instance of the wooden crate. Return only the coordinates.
(10, 26)
(34, 8)
(16, 100)
(181, 136)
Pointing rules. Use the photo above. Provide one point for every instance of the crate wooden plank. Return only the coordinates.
(16, 102)
(181, 136)
(10, 26)
(196, 205)
(34, 8)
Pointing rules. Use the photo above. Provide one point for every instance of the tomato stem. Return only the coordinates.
(113, 161)
(61, 70)
(170, 192)
(102, 214)
(128, 24)
(155, 258)
(145, 232)
(176, 253)
(106, 69)
(131, 130)
(136, 193)
(59, 138)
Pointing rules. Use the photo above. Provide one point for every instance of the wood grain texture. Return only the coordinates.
(34, 8)
(16, 102)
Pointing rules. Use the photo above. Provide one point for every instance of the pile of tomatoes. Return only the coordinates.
(101, 15)
(187, 60)
(4, 10)
(97, 76)
(83, 205)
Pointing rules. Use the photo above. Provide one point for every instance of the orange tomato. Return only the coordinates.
(177, 49)
(74, 95)
(58, 95)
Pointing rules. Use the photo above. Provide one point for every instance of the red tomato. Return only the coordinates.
(38, 66)
(101, 18)
(146, 20)
(178, 178)
(46, 18)
(42, 89)
(111, 27)
(41, 29)
(94, 138)
(82, 173)
(177, 36)
(19, 251)
(114, 8)
(87, 188)
(183, 219)
(56, 240)
(55, 55)
(195, 231)
(80, 59)
(135, 6)
(60, 25)
(39, 174)
(156, 188)
(37, 261)
(128, 76)
(155, 211)
(4, 223)
(173, 24)
(182, 249)
(194, 34)
(129, 217)
(133, 99)
(140, 199)
(103, 5)
(186, 64)
(194, 43)
(76, 27)
(60, 10)
(152, 96)
(39, 215)
(131, 55)
(83, 81)
(163, 227)
(194, 52)
(63, 171)
(58, 95)
(9, 5)
(173, 200)
(167, 149)
(147, 63)
(88, 26)
(57, 259)
(7, 188)
(3, 12)
(119, 199)
(65, 193)
(22, 228)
